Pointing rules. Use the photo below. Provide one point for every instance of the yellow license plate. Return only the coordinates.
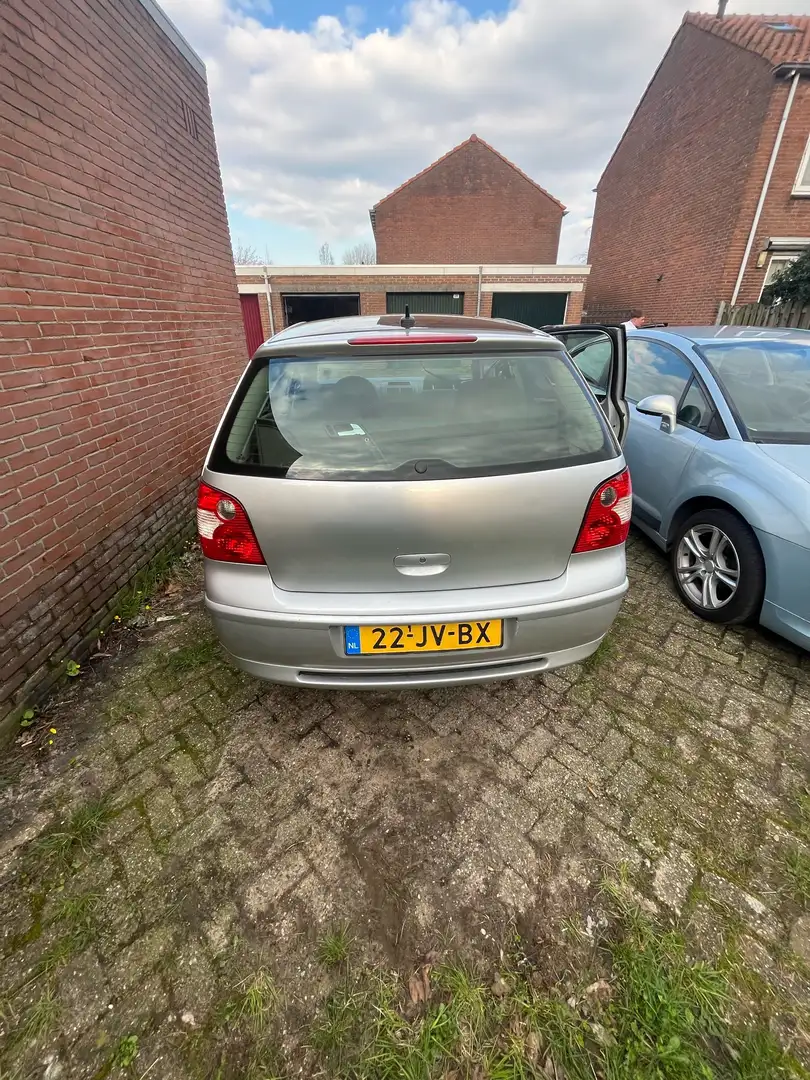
(423, 637)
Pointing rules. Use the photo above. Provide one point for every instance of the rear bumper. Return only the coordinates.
(308, 649)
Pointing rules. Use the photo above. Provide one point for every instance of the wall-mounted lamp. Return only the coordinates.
(762, 258)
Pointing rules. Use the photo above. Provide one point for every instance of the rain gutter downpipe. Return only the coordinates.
(269, 303)
(478, 301)
(795, 76)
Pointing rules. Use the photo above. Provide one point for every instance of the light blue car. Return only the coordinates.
(719, 455)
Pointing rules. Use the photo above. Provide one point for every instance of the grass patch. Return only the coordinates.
(656, 1014)
(334, 948)
(147, 582)
(797, 868)
(253, 1004)
(126, 1051)
(606, 651)
(40, 1019)
(77, 911)
(75, 916)
(192, 656)
(81, 830)
(803, 816)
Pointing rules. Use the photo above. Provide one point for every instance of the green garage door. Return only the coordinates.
(532, 308)
(425, 303)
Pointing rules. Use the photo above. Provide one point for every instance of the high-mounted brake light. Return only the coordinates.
(224, 528)
(607, 521)
(412, 339)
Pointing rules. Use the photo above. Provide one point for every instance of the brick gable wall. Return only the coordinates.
(668, 205)
(471, 208)
(120, 326)
(783, 214)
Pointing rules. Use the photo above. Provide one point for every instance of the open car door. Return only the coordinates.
(600, 353)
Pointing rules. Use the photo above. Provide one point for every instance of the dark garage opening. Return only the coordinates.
(533, 308)
(306, 307)
(425, 303)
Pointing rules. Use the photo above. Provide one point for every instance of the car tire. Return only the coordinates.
(718, 567)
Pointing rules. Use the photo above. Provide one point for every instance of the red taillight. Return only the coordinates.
(412, 339)
(224, 528)
(607, 521)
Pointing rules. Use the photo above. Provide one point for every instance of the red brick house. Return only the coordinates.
(470, 206)
(469, 235)
(120, 327)
(708, 191)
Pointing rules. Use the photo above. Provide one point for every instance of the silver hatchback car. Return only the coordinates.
(395, 502)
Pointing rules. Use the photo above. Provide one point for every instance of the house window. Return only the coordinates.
(802, 185)
(775, 267)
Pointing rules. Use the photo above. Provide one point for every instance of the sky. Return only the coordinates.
(321, 107)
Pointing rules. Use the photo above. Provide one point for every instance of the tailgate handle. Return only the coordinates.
(422, 565)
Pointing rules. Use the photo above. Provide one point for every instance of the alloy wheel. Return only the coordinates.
(708, 567)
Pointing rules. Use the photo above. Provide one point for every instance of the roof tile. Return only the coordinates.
(756, 34)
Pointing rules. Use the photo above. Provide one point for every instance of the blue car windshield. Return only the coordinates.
(769, 386)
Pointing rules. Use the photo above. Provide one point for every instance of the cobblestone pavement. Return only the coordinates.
(189, 825)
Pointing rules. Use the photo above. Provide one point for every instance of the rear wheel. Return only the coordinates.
(718, 567)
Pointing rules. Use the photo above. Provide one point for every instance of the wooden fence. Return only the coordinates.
(791, 313)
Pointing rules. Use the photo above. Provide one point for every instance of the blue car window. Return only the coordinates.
(654, 368)
(768, 383)
(695, 410)
(593, 360)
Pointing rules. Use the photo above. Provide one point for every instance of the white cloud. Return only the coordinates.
(314, 126)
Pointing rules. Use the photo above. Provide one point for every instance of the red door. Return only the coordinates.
(251, 317)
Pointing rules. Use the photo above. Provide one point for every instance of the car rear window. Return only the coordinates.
(359, 418)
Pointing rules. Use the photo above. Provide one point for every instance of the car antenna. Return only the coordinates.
(407, 320)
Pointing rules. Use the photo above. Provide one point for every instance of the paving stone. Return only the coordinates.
(83, 993)
(533, 747)
(202, 830)
(181, 770)
(274, 881)
(551, 827)
(126, 737)
(142, 956)
(613, 749)
(250, 816)
(630, 781)
(149, 757)
(751, 909)
(609, 846)
(800, 938)
(673, 879)
(193, 980)
(513, 891)
(162, 812)
(141, 862)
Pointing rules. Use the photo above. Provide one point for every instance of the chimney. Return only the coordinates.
(721, 8)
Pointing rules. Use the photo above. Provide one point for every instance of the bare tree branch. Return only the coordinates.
(325, 256)
(362, 254)
(245, 254)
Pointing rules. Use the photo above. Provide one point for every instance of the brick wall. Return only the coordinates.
(783, 214)
(472, 207)
(668, 203)
(120, 327)
(373, 287)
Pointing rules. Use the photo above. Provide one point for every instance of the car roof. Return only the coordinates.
(705, 335)
(331, 331)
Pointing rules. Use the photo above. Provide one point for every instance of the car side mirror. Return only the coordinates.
(663, 405)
